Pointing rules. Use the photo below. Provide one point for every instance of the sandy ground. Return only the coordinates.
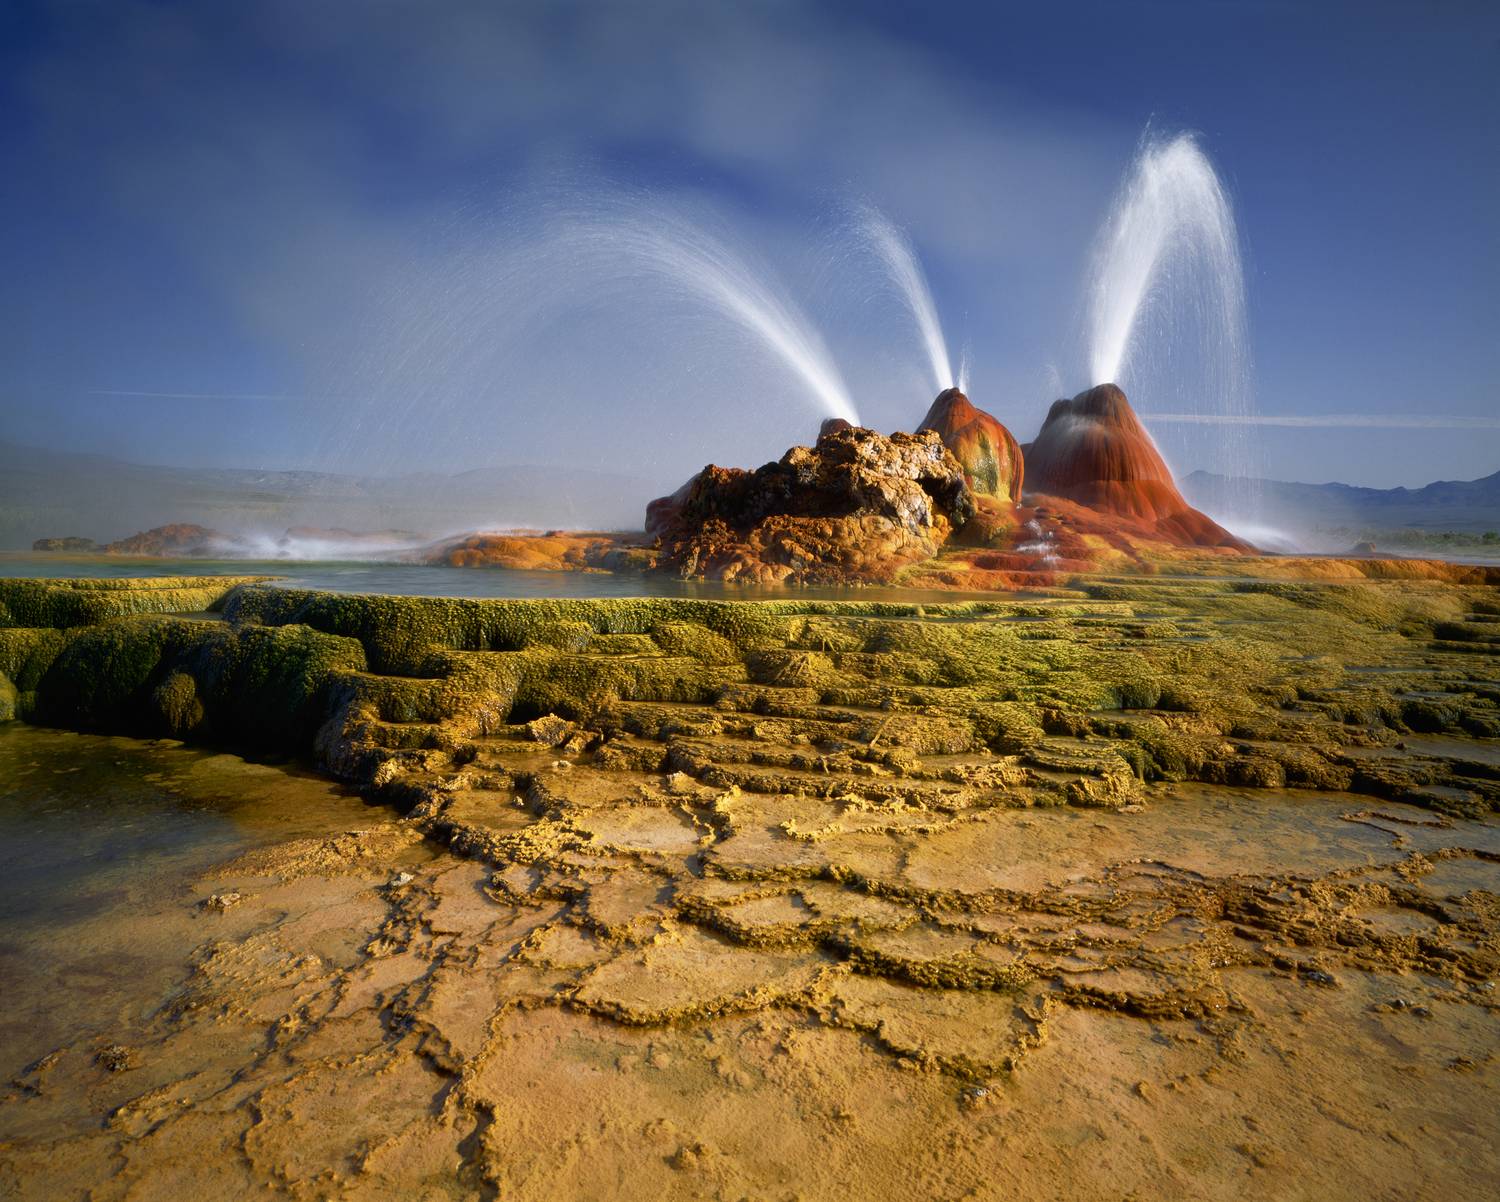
(1222, 993)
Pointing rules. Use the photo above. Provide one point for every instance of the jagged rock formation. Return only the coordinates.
(989, 453)
(856, 507)
(1094, 450)
(170, 541)
(862, 508)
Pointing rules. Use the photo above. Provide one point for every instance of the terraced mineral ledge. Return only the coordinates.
(1172, 886)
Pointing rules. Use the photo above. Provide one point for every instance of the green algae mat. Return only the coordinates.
(678, 898)
(1079, 697)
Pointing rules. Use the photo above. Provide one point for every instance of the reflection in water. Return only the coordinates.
(425, 580)
(101, 841)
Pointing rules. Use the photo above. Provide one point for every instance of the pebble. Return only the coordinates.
(975, 1095)
(115, 1058)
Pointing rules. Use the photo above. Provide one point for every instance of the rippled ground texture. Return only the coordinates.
(1165, 889)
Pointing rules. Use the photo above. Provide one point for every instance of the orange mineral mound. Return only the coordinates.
(1094, 450)
(536, 551)
(989, 453)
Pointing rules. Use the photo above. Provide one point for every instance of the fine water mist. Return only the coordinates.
(896, 252)
(688, 257)
(1171, 227)
(548, 328)
(1165, 311)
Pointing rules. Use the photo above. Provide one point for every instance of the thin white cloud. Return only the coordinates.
(267, 192)
(1359, 421)
(194, 396)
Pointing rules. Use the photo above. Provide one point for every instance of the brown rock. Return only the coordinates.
(170, 541)
(856, 507)
(989, 453)
(1094, 450)
(540, 551)
(70, 543)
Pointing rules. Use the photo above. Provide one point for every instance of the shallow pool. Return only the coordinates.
(101, 843)
(426, 580)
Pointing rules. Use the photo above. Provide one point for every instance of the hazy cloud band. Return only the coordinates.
(1372, 421)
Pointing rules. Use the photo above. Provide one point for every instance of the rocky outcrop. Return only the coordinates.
(178, 539)
(1094, 450)
(858, 506)
(663, 513)
(988, 452)
(549, 551)
(72, 543)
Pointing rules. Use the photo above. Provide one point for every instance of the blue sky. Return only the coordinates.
(301, 228)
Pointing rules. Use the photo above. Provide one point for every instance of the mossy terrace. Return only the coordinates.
(682, 809)
(1092, 691)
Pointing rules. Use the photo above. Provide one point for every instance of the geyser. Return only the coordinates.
(1171, 226)
(1166, 303)
(692, 259)
(896, 253)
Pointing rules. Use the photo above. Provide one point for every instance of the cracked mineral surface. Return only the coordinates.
(1156, 888)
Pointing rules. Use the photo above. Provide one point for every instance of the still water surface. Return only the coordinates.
(426, 580)
(102, 841)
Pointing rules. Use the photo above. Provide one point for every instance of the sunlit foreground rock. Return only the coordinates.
(865, 877)
(942, 508)
(857, 506)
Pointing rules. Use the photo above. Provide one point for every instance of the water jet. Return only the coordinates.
(896, 253)
(668, 246)
(1171, 229)
(1166, 296)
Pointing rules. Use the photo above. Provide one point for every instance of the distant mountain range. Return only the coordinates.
(45, 494)
(1467, 506)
